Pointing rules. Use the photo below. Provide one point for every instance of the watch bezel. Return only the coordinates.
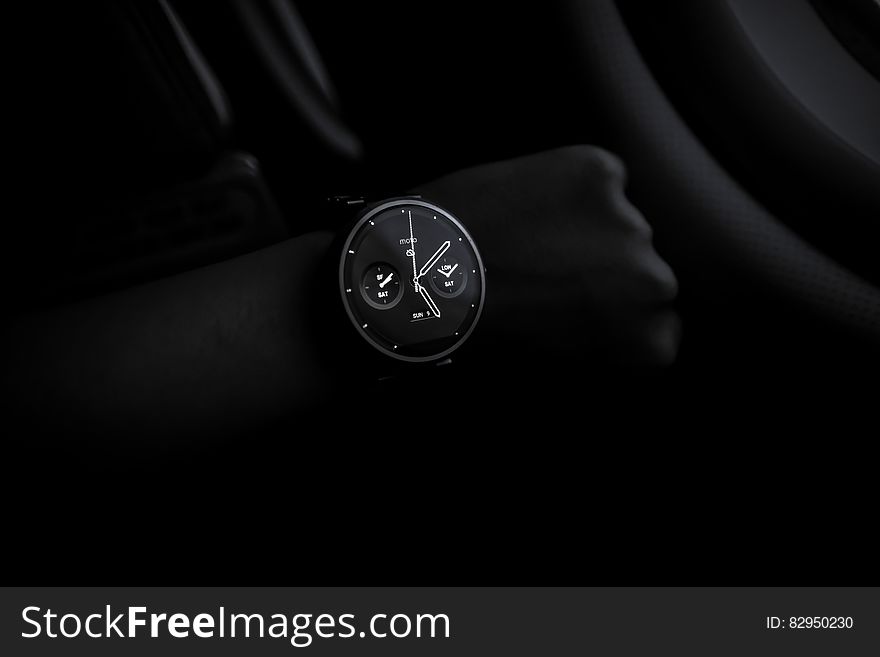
(368, 214)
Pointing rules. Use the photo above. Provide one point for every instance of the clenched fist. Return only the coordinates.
(571, 269)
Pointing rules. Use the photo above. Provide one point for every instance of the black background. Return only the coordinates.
(751, 460)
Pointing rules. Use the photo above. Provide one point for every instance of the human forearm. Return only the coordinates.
(206, 351)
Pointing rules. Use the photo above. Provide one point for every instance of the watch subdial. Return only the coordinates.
(380, 286)
(448, 277)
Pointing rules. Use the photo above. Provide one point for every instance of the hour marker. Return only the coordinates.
(456, 332)
(348, 289)
(474, 271)
(365, 326)
(459, 239)
(372, 224)
(472, 305)
(394, 346)
(435, 216)
(351, 252)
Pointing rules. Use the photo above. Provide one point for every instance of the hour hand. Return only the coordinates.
(434, 258)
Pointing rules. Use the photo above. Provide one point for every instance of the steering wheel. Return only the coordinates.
(707, 224)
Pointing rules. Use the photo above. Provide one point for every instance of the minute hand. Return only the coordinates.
(434, 258)
(429, 301)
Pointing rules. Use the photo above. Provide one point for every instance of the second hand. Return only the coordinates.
(412, 248)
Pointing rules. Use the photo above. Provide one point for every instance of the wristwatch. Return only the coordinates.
(411, 280)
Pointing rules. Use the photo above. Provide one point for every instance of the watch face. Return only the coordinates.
(411, 280)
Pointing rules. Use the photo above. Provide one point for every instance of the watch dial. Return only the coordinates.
(412, 280)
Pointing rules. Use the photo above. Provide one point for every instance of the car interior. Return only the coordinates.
(159, 136)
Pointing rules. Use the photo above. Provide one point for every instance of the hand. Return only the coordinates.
(412, 248)
(428, 300)
(434, 258)
(572, 271)
(447, 274)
